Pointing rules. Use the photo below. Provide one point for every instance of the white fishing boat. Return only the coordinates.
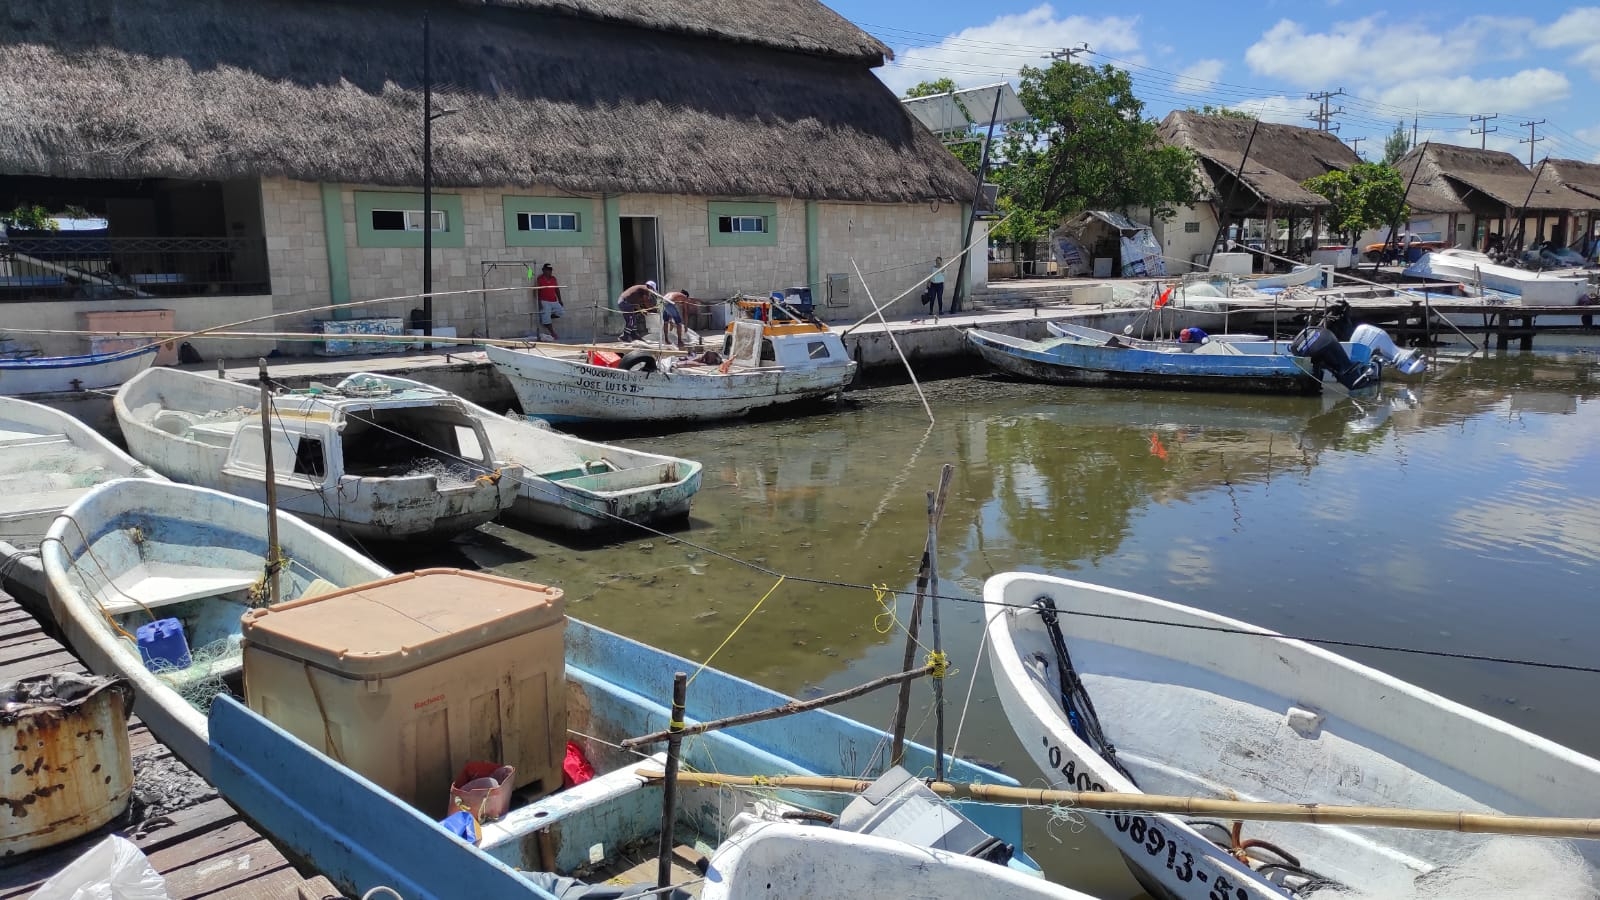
(1222, 709)
(134, 552)
(64, 374)
(568, 482)
(380, 464)
(48, 459)
(1473, 268)
(761, 364)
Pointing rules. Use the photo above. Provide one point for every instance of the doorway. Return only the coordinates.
(641, 251)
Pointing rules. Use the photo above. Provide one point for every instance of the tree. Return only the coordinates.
(1223, 112)
(1397, 144)
(930, 88)
(1087, 145)
(29, 216)
(1368, 195)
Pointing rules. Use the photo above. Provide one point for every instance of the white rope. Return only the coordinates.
(977, 661)
(895, 341)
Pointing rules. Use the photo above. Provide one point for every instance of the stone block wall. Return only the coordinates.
(894, 246)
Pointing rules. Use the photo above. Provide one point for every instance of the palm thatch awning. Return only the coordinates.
(1450, 179)
(759, 98)
(1281, 157)
(1574, 175)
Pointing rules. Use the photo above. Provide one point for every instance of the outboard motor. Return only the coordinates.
(1337, 319)
(1409, 362)
(1320, 345)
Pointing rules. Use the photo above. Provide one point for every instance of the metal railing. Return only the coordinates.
(66, 266)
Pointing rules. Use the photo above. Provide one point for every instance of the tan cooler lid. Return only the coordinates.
(392, 626)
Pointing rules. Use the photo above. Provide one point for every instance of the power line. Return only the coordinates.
(1355, 144)
(1485, 130)
(1323, 116)
(1533, 139)
(1068, 53)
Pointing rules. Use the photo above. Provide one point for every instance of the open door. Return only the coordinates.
(641, 251)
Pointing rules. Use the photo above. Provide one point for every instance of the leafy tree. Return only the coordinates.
(1368, 195)
(1397, 144)
(930, 88)
(1087, 145)
(30, 216)
(1223, 112)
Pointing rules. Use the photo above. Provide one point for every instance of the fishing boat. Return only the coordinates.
(763, 362)
(48, 459)
(1115, 362)
(568, 482)
(1377, 341)
(360, 835)
(1110, 690)
(377, 464)
(134, 552)
(1473, 268)
(63, 374)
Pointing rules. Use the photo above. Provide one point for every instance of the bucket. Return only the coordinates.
(162, 645)
(484, 788)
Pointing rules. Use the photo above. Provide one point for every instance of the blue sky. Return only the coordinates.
(1443, 62)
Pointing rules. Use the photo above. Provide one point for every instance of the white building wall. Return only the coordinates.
(894, 246)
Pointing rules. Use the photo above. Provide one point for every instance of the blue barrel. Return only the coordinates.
(162, 645)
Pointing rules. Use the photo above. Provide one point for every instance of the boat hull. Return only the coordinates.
(70, 374)
(1534, 288)
(1072, 363)
(561, 390)
(1238, 712)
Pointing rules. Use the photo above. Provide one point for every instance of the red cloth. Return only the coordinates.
(547, 288)
(575, 769)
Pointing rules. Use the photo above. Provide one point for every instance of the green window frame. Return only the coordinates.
(742, 224)
(380, 207)
(522, 213)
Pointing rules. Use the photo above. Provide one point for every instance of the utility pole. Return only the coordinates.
(1532, 139)
(1484, 129)
(1413, 129)
(1068, 53)
(1323, 116)
(1355, 144)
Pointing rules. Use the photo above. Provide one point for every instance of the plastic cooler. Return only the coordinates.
(408, 679)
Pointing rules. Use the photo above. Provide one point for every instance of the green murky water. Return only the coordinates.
(1460, 513)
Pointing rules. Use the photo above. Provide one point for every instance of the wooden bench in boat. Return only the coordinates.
(10, 438)
(148, 586)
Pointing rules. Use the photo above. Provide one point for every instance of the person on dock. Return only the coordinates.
(633, 303)
(936, 288)
(547, 293)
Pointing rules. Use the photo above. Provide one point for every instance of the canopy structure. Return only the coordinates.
(968, 107)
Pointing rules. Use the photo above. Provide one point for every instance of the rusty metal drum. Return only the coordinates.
(65, 765)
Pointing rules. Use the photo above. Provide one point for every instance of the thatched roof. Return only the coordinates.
(1281, 156)
(330, 92)
(1583, 177)
(1450, 179)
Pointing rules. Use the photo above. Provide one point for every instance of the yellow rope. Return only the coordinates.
(735, 630)
(940, 663)
(887, 617)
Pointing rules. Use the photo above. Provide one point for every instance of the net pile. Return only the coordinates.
(202, 680)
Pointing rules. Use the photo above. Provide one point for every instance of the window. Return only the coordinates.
(1191, 227)
(405, 220)
(308, 458)
(817, 349)
(742, 224)
(547, 221)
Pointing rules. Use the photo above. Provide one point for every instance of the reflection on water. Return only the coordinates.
(1460, 514)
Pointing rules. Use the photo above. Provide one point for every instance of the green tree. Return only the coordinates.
(1222, 112)
(1087, 145)
(1368, 195)
(930, 88)
(30, 216)
(1397, 144)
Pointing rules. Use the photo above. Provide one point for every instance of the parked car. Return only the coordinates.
(1398, 249)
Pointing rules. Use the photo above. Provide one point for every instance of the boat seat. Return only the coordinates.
(154, 585)
(217, 434)
(10, 438)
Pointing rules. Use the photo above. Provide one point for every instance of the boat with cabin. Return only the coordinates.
(768, 357)
(1114, 691)
(568, 482)
(371, 464)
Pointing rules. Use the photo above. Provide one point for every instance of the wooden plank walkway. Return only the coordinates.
(205, 850)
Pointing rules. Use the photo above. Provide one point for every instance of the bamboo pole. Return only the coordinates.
(669, 794)
(318, 336)
(788, 709)
(1243, 810)
(273, 557)
(935, 514)
(895, 341)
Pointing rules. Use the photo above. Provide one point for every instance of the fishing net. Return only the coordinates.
(449, 473)
(1496, 869)
(203, 679)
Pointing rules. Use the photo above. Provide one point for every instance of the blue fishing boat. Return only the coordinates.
(61, 374)
(361, 836)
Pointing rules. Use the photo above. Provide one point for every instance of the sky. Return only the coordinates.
(1441, 63)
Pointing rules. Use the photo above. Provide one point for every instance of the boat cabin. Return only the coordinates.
(785, 339)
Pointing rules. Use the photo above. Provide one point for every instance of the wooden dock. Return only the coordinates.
(205, 850)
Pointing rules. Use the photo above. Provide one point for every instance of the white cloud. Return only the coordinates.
(1527, 89)
(987, 53)
(1371, 50)
(1280, 109)
(1576, 28)
(1199, 78)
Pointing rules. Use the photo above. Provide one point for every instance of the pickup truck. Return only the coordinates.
(1374, 252)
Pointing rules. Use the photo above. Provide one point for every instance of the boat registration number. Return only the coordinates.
(1144, 833)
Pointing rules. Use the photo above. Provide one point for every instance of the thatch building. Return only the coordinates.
(1249, 180)
(1470, 196)
(271, 151)
(1581, 178)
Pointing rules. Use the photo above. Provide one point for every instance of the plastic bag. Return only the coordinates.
(113, 869)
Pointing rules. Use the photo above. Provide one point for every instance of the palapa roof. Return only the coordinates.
(735, 98)
(1450, 179)
(1281, 156)
(1583, 177)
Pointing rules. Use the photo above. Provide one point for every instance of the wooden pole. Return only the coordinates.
(1244, 810)
(318, 336)
(893, 340)
(788, 709)
(272, 484)
(902, 709)
(935, 514)
(669, 793)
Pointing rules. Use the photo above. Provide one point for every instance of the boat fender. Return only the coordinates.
(639, 360)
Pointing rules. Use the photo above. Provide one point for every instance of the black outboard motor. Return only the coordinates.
(1320, 345)
(1337, 319)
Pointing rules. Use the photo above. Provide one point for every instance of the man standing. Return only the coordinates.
(672, 307)
(548, 290)
(633, 304)
(936, 287)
